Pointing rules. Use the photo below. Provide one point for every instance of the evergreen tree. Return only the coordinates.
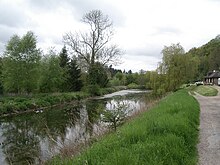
(64, 64)
(98, 75)
(64, 59)
(74, 72)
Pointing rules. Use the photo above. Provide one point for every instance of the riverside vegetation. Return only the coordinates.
(22, 104)
(166, 134)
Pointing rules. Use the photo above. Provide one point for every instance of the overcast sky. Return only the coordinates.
(142, 27)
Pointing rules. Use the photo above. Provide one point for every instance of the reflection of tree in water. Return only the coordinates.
(25, 135)
(22, 134)
(21, 146)
(94, 109)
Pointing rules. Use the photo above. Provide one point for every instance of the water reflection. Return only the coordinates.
(33, 138)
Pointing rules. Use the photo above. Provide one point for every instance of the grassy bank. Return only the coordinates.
(167, 134)
(204, 90)
(20, 104)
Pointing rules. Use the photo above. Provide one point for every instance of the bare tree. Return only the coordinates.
(94, 45)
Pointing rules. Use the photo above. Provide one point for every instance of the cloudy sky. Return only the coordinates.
(142, 27)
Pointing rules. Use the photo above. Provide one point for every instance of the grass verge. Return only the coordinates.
(167, 134)
(204, 90)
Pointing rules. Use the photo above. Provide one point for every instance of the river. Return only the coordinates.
(35, 137)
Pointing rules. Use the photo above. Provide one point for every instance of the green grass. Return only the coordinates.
(165, 135)
(206, 90)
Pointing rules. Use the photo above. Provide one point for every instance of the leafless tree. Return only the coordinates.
(94, 45)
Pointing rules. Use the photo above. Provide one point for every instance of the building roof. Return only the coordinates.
(214, 74)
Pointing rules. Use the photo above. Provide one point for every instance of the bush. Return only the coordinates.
(94, 90)
(133, 86)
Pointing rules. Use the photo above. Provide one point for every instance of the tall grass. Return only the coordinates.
(165, 135)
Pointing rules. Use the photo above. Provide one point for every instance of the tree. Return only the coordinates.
(21, 64)
(116, 114)
(64, 64)
(64, 59)
(98, 75)
(51, 73)
(94, 45)
(74, 75)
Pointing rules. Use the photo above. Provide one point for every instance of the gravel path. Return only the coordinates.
(209, 135)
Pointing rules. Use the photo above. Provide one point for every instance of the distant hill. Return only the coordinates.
(208, 56)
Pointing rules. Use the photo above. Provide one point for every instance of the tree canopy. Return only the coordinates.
(21, 64)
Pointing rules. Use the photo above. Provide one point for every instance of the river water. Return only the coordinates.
(35, 137)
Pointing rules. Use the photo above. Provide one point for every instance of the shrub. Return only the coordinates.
(94, 90)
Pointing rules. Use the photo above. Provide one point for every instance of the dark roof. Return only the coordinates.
(215, 74)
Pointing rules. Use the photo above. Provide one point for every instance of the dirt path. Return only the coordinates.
(209, 135)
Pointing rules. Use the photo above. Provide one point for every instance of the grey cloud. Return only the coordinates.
(167, 30)
(11, 16)
(84, 6)
(80, 7)
(5, 33)
(44, 4)
(153, 51)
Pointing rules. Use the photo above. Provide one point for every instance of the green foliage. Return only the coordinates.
(94, 90)
(208, 57)
(98, 75)
(167, 134)
(21, 63)
(175, 69)
(173, 66)
(130, 78)
(115, 82)
(157, 83)
(51, 73)
(64, 64)
(64, 59)
(74, 76)
(133, 86)
(19, 104)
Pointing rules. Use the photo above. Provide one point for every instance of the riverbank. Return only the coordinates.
(13, 105)
(167, 134)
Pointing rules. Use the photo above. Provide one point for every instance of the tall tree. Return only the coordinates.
(64, 64)
(173, 65)
(94, 45)
(51, 73)
(64, 59)
(21, 64)
(74, 72)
